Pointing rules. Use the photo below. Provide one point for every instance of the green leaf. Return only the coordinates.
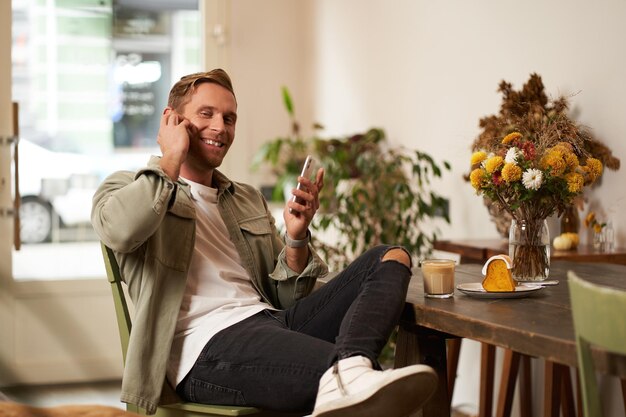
(287, 101)
(388, 198)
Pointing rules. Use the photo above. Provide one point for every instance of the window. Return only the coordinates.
(91, 78)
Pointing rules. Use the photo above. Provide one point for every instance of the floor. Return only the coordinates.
(102, 393)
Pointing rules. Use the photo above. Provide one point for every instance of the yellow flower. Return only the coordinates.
(564, 147)
(575, 182)
(584, 171)
(477, 178)
(554, 159)
(511, 137)
(511, 172)
(594, 169)
(493, 164)
(571, 160)
(590, 219)
(478, 157)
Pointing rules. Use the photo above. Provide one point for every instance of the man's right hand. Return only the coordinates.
(173, 139)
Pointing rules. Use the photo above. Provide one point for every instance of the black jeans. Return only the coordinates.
(275, 359)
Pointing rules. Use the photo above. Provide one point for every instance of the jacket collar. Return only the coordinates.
(222, 183)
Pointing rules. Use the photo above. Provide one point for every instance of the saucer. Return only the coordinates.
(475, 289)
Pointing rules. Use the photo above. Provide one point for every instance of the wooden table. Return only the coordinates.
(479, 250)
(538, 326)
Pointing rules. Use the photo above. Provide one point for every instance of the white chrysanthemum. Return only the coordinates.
(511, 155)
(532, 179)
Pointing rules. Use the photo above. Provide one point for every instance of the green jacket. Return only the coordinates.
(149, 222)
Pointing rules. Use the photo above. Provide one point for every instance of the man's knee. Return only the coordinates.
(398, 255)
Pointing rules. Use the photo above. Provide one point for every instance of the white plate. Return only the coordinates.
(475, 289)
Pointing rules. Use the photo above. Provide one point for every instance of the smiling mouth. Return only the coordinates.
(212, 142)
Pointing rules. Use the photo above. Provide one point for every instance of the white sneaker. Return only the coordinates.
(352, 388)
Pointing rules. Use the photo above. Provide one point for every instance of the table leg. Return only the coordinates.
(454, 351)
(406, 348)
(487, 369)
(623, 382)
(414, 346)
(510, 367)
(525, 389)
(567, 395)
(552, 390)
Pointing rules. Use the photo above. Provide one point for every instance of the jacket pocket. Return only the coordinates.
(256, 226)
(258, 255)
(257, 232)
(172, 243)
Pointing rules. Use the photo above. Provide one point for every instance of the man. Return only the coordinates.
(224, 308)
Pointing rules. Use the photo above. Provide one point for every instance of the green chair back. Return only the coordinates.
(124, 323)
(599, 315)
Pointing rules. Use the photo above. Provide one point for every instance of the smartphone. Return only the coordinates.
(307, 171)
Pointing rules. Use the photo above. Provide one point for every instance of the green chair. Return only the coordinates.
(182, 409)
(599, 320)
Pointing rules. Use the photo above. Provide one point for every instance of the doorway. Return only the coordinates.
(56, 314)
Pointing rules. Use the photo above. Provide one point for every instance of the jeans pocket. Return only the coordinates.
(276, 315)
(207, 393)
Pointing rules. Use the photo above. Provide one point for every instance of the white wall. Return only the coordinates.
(267, 49)
(426, 72)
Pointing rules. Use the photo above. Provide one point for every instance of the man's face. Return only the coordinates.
(213, 112)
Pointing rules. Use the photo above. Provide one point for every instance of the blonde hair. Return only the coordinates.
(181, 92)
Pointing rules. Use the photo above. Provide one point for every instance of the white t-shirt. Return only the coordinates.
(218, 292)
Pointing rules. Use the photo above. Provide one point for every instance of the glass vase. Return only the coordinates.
(529, 249)
(599, 241)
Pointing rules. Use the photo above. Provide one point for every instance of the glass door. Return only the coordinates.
(90, 77)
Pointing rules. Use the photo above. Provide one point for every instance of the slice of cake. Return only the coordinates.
(497, 272)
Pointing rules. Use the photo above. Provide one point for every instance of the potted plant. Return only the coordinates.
(378, 194)
(285, 154)
(374, 193)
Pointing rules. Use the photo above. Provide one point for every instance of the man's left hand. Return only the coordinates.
(297, 219)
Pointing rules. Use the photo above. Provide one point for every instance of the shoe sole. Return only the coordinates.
(401, 397)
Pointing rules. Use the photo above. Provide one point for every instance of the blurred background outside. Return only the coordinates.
(91, 78)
